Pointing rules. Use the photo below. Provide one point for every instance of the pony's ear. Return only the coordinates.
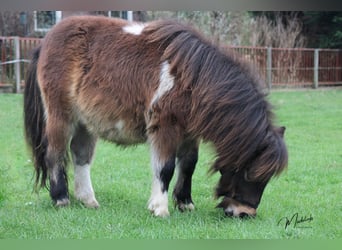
(280, 131)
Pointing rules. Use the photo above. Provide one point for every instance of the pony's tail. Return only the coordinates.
(34, 122)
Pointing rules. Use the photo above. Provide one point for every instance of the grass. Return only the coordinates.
(310, 187)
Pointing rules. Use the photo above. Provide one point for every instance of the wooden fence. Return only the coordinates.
(278, 66)
(286, 67)
(15, 54)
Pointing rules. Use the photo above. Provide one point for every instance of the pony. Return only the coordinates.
(159, 82)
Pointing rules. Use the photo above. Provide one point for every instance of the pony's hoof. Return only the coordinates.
(158, 210)
(185, 207)
(63, 202)
(89, 202)
(92, 204)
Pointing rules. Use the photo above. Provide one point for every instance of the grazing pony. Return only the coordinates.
(160, 82)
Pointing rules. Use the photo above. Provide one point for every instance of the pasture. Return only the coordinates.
(310, 188)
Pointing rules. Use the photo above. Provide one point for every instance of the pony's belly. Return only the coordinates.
(119, 132)
(122, 137)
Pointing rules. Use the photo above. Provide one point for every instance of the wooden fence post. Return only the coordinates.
(316, 67)
(17, 64)
(269, 67)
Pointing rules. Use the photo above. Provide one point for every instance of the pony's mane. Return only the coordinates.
(222, 85)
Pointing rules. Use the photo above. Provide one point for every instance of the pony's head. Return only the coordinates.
(242, 188)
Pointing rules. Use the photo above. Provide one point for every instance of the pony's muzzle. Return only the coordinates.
(240, 211)
(233, 208)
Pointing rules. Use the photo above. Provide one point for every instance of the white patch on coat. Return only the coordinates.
(166, 83)
(134, 28)
(119, 126)
(158, 202)
(83, 186)
(54, 174)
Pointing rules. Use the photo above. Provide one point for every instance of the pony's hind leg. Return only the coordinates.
(57, 136)
(187, 156)
(82, 149)
(56, 160)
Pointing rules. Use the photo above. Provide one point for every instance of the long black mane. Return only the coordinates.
(228, 106)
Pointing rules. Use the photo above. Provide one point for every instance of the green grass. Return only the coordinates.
(121, 177)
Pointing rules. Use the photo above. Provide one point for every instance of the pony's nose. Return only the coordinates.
(243, 215)
(229, 212)
(240, 211)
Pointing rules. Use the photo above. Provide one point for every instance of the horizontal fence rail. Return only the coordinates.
(15, 54)
(295, 67)
(279, 67)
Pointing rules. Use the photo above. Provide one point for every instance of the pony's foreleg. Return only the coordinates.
(163, 168)
(82, 149)
(187, 156)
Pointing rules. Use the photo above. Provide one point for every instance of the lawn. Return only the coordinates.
(311, 186)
